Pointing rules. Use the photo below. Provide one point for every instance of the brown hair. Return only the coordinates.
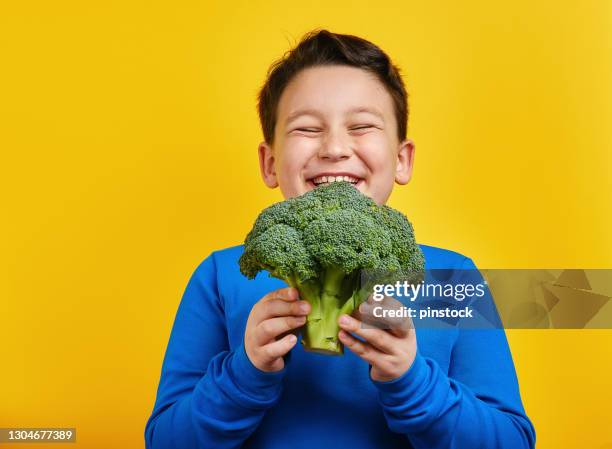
(322, 47)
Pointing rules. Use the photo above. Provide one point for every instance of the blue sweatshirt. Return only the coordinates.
(460, 392)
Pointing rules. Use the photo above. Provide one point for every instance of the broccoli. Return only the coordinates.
(321, 243)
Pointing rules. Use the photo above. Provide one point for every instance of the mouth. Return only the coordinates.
(326, 179)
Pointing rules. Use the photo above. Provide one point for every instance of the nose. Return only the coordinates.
(334, 147)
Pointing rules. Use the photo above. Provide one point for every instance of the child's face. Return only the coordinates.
(336, 121)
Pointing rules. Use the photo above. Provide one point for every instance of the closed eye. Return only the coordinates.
(355, 128)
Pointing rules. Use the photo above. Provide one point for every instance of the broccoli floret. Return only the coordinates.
(320, 243)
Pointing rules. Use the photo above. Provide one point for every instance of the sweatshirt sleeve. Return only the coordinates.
(477, 405)
(208, 395)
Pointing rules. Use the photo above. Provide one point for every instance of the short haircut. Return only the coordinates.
(322, 47)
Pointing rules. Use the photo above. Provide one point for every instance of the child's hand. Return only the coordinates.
(390, 348)
(276, 313)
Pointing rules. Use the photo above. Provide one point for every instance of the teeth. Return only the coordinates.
(329, 179)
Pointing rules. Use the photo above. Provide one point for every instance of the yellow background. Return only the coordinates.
(128, 133)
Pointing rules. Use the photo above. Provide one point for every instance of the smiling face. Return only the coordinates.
(336, 122)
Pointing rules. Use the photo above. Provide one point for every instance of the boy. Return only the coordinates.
(334, 108)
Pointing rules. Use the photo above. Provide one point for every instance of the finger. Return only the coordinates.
(385, 300)
(404, 329)
(278, 348)
(373, 301)
(285, 294)
(269, 329)
(387, 303)
(362, 349)
(280, 302)
(378, 316)
(276, 307)
(378, 338)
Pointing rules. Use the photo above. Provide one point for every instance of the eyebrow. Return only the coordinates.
(300, 112)
(372, 111)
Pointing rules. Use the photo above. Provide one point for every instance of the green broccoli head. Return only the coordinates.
(347, 240)
(401, 233)
(320, 242)
(281, 251)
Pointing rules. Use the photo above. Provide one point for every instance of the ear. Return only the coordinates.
(266, 165)
(405, 162)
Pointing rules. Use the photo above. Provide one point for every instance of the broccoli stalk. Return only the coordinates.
(320, 243)
(328, 301)
(321, 330)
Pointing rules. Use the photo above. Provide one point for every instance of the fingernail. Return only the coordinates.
(292, 338)
(304, 307)
(344, 319)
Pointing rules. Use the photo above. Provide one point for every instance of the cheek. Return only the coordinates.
(377, 153)
(290, 166)
(379, 157)
(296, 153)
(292, 161)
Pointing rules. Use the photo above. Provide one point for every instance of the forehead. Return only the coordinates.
(333, 90)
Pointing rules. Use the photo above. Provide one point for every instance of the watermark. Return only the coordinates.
(37, 435)
(489, 299)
